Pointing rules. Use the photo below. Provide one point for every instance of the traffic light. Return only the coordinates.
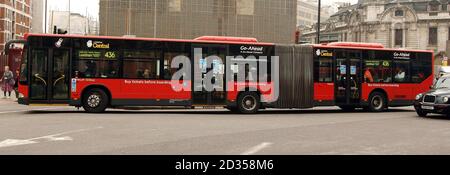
(61, 31)
(57, 30)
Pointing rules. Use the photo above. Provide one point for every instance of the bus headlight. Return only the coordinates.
(419, 96)
(445, 99)
(21, 95)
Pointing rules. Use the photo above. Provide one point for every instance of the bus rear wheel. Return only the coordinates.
(95, 101)
(377, 102)
(248, 103)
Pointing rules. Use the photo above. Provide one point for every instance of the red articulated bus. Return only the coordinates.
(96, 72)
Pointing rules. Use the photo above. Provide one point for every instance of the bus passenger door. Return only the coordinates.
(60, 77)
(215, 69)
(348, 78)
(39, 76)
(49, 76)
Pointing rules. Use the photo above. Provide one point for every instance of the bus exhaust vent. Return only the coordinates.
(296, 76)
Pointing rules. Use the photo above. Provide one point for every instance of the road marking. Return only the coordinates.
(26, 110)
(257, 148)
(47, 138)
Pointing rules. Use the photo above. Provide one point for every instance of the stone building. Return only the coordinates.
(409, 24)
(266, 20)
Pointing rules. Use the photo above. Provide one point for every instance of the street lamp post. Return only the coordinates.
(68, 30)
(45, 17)
(154, 20)
(318, 22)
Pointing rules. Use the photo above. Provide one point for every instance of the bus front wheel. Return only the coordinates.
(377, 102)
(95, 101)
(248, 103)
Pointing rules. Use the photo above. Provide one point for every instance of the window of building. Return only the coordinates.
(434, 7)
(323, 70)
(432, 36)
(142, 64)
(245, 7)
(398, 37)
(174, 5)
(97, 64)
(402, 71)
(399, 13)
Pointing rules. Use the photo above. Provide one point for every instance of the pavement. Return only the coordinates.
(319, 131)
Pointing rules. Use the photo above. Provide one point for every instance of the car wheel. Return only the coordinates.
(248, 103)
(95, 101)
(421, 113)
(377, 102)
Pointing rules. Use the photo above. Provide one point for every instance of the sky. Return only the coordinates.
(91, 7)
(84, 7)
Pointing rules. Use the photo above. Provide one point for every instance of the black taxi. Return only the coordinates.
(436, 100)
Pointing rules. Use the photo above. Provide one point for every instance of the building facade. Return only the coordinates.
(266, 20)
(38, 14)
(15, 20)
(418, 24)
(307, 12)
(73, 23)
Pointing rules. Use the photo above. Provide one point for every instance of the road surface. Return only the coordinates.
(320, 131)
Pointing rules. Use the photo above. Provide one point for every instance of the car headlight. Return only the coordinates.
(418, 96)
(445, 99)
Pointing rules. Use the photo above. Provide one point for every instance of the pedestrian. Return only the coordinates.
(8, 82)
(16, 84)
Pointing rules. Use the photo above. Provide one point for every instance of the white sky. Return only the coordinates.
(91, 7)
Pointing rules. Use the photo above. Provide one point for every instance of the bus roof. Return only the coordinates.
(364, 46)
(204, 39)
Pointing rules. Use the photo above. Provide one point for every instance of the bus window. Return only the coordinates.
(168, 71)
(420, 67)
(323, 71)
(377, 71)
(97, 64)
(23, 67)
(141, 64)
(401, 71)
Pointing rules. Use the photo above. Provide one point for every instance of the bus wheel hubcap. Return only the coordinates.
(249, 103)
(93, 100)
(377, 102)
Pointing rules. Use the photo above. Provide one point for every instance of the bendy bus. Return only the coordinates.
(99, 72)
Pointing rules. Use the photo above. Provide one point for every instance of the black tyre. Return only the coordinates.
(233, 109)
(248, 103)
(95, 101)
(421, 113)
(377, 102)
(347, 108)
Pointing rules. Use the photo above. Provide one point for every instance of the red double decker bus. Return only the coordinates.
(96, 73)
